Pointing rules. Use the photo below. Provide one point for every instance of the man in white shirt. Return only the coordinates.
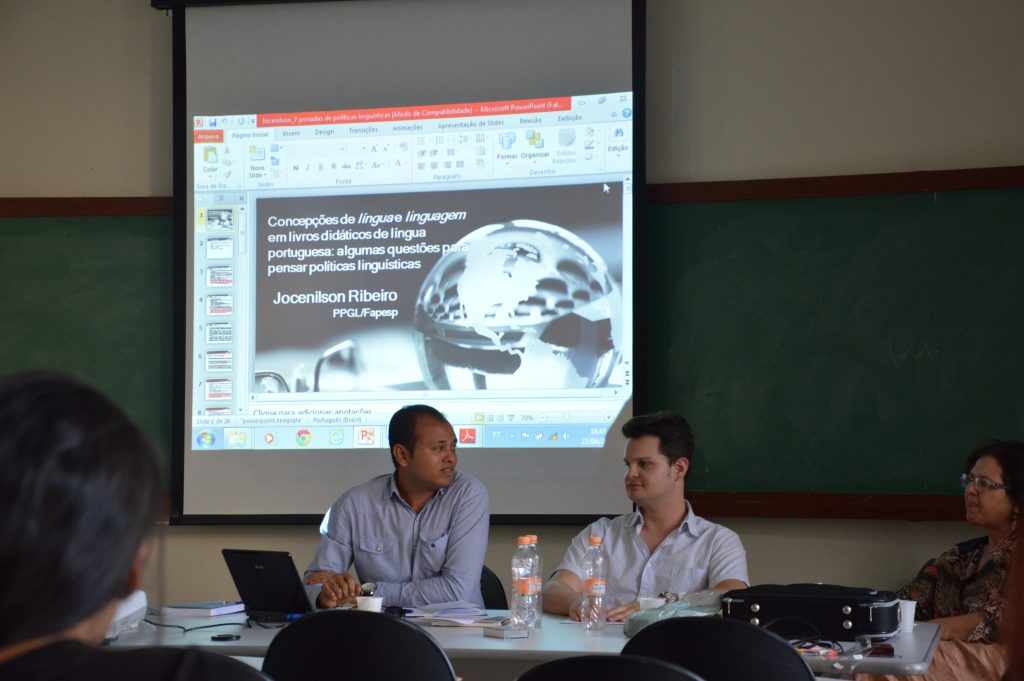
(663, 546)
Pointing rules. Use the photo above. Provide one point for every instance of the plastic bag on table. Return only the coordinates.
(693, 604)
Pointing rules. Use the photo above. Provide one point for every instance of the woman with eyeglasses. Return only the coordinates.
(963, 589)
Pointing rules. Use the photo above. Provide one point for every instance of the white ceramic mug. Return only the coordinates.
(369, 603)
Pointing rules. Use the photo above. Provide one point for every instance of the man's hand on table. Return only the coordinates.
(339, 588)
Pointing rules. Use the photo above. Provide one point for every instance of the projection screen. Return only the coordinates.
(387, 202)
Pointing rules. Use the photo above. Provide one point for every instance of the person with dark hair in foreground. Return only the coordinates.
(418, 534)
(79, 494)
(963, 589)
(663, 546)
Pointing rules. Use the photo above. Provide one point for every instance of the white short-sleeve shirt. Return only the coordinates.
(693, 557)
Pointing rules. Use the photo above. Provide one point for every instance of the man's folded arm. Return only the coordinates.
(562, 592)
(333, 555)
(728, 565)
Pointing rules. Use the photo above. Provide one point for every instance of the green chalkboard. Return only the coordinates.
(841, 345)
(92, 296)
(836, 345)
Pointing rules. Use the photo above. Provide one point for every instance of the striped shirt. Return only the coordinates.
(434, 556)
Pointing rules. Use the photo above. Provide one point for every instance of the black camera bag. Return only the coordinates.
(815, 611)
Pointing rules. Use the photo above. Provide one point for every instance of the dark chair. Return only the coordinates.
(351, 644)
(224, 668)
(492, 590)
(720, 650)
(609, 668)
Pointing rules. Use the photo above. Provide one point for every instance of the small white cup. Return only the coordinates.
(646, 603)
(369, 603)
(907, 609)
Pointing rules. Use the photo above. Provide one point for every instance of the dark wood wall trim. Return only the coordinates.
(680, 192)
(86, 206)
(839, 185)
(832, 506)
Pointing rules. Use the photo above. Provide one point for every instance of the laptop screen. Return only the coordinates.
(268, 583)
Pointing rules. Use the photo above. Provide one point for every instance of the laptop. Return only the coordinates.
(268, 583)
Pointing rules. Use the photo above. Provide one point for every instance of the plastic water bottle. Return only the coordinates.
(539, 576)
(593, 612)
(525, 581)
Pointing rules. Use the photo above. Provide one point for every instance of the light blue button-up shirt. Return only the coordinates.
(693, 557)
(416, 559)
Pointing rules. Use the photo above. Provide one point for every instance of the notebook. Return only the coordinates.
(268, 583)
(202, 609)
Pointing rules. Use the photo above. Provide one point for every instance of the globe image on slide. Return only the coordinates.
(521, 304)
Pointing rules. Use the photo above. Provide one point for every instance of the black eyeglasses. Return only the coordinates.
(983, 484)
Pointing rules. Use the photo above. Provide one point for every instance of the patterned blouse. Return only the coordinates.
(953, 585)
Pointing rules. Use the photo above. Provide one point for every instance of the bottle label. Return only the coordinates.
(526, 586)
(594, 587)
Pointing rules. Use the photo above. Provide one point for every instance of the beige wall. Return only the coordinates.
(745, 89)
(742, 89)
(737, 90)
(85, 98)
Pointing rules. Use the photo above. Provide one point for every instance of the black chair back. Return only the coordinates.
(350, 644)
(492, 590)
(224, 668)
(720, 650)
(609, 668)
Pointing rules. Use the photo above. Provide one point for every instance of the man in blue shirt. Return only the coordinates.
(663, 545)
(419, 534)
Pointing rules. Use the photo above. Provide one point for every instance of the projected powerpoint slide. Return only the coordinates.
(492, 289)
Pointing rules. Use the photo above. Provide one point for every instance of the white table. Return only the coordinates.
(480, 658)
(912, 653)
(474, 656)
